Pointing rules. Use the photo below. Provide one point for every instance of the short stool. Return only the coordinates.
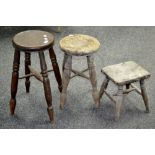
(125, 74)
(79, 45)
(28, 42)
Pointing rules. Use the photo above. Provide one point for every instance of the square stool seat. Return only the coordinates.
(125, 73)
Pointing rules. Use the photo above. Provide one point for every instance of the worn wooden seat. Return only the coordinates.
(28, 42)
(125, 74)
(79, 45)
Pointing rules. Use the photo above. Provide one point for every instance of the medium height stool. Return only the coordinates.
(28, 42)
(125, 74)
(78, 45)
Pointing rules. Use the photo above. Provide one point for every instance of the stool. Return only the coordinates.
(78, 45)
(125, 74)
(28, 42)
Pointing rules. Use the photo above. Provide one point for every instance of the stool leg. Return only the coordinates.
(119, 101)
(55, 68)
(92, 74)
(14, 81)
(64, 60)
(103, 87)
(46, 84)
(27, 71)
(65, 79)
(127, 86)
(144, 95)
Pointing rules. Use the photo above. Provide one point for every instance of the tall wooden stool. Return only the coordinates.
(125, 74)
(78, 45)
(28, 42)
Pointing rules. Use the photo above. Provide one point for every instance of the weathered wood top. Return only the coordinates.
(33, 40)
(126, 72)
(79, 44)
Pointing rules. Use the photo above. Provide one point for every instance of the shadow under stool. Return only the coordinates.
(125, 74)
(78, 45)
(29, 42)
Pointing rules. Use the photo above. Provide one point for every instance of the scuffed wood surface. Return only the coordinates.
(79, 44)
(125, 72)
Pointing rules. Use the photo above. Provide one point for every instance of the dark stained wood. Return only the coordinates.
(144, 95)
(27, 71)
(46, 84)
(32, 74)
(14, 81)
(33, 40)
(29, 41)
(55, 68)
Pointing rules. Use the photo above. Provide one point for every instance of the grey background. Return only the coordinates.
(118, 44)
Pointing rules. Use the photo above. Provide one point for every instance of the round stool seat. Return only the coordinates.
(33, 40)
(79, 44)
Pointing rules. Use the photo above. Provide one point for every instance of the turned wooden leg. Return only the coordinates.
(55, 68)
(119, 102)
(144, 95)
(14, 81)
(46, 84)
(27, 71)
(103, 87)
(65, 79)
(92, 74)
(64, 60)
